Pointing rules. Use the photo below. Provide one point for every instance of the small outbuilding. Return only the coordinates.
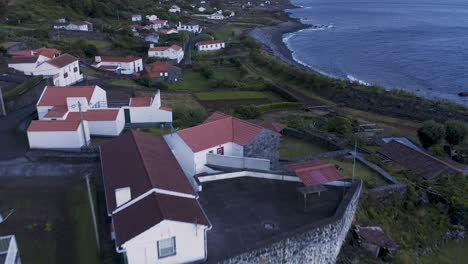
(374, 240)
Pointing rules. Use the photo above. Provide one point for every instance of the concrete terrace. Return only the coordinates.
(247, 213)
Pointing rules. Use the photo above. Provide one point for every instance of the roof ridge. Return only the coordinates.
(132, 133)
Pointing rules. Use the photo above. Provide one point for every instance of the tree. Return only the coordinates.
(455, 132)
(186, 115)
(431, 133)
(247, 112)
(90, 50)
(340, 125)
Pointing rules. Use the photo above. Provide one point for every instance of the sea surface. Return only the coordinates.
(415, 45)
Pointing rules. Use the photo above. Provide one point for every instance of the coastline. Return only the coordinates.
(272, 40)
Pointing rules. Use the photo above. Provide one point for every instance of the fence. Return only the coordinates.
(237, 162)
(9, 248)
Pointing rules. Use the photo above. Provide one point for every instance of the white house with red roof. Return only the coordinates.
(148, 110)
(57, 134)
(75, 25)
(223, 135)
(123, 65)
(156, 216)
(210, 45)
(162, 71)
(158, 23)
(190, 27)
(172, 53)
(168, 31)
(63, 69)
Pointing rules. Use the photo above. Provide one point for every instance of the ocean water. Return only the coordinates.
(416, 45)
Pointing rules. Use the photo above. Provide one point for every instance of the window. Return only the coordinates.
(65, 75)
(75, 69)
(166, 247)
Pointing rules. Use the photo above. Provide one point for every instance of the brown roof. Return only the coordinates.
(56, 111)
(53, 125)
(153, 209)
(417, 161)
(96, 115)
(57, 95)
(274, 126)
(218, 129)
(375, 235)
(46, 52)
(140, 101)
(142, 162)
(315, 172)
(23, 59)
(154, 69)
(62, 60)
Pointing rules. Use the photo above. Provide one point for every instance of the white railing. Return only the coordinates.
(237, 162)
(9, 248)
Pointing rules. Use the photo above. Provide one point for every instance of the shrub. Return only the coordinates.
(455, 132)
(431, 133)
(340, 125)
(187, 115)
(90, 50)
(160, 86)
(279, 105)
(247, 112)
(204, 37)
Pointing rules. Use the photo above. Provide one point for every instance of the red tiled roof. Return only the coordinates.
(119, 58)
(273, 126)
(53, 125)
(163, 48)
(23, 59)
(141, 101)
(154, 69)
(208, 42)
(20, 52)
(153, 209)
(142, 162)
(158, 21)
(56, 111)
(46, 52)
(165, 108)
(316, 172)
(96, 115)
(57, 95)
(109, 68)
(62, 60)
(219, 129)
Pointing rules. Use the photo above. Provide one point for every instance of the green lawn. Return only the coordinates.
(231, 95)
(88, 71)
(451, 252)
(122, 82)
(191, 80)
(370, 178)
(100, 44)
(155, 130)
(291, 147)
(231, 32)
(85, 241)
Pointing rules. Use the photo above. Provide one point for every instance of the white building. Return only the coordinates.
(201, 9)
(123, 65)
(57, 134)
(220, 134)
(9, 253)
(151, 17)
(158, 23)
(168, 31)
(191, 27)
(64, 69)
(74, 25)
(174, 52)
(218, 15)
(156, 217)
(174, 9)
(210, 45)
(148, 110)
(136, 17)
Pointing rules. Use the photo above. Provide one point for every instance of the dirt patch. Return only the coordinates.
(212, 105)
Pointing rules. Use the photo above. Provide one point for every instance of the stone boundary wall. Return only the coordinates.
(320, 243)
(55, 34)
(322, 140)
(29, 97)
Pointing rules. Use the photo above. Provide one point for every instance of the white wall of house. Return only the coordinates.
(230, 149)
(190, 28)
(26, 68)
(149, 114)
(67, 75)
(169, 53)
(98, 99)
(80, 27)
(208, 47)
(58, 139)
(42, 111)
(126, 67)
(182, 153)
(189, 240)
(108, 128)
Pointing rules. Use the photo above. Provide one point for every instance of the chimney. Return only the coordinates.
(97, 59)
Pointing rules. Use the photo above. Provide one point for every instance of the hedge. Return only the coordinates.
(279, 105)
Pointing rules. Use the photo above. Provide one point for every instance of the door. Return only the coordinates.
(220, 151)
(127, 116)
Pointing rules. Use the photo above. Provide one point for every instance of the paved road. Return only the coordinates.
(13, 140)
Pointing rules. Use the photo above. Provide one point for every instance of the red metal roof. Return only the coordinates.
(53, 125)
(154, 69)
(57, 95)
(316, 172)
(23, 59)
(142, 162)
(119, 59)
(219, 129)
(158, 21)
(141, 101)
(209, 42)
(56, 112)
(62, 60)
(96, 115)
(46, 52)
(165, 108)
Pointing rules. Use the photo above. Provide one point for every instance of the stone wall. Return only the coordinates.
(29, 97)
(265, 145)
(55, 34)
(316, 244)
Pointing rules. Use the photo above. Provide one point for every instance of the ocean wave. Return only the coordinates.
(354, 79)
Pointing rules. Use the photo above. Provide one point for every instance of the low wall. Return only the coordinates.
(55, 34)
(328, 141)
(254, 174)
(320, 243)
(237, 162)
(29, 97)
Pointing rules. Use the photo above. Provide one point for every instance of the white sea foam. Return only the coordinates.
(354, 79)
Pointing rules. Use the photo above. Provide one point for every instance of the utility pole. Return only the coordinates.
(93, 213)
(2, 104)
(354, 161)
(82, 125)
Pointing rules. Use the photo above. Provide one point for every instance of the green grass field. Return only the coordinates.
(100, 44)
(192, 81)
(88, 71)
(451, 252)
(291, 147)
(231, 95)
(122, 82)
(231, 32)
(370, 178)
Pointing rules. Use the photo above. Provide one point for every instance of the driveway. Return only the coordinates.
(13, 139)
